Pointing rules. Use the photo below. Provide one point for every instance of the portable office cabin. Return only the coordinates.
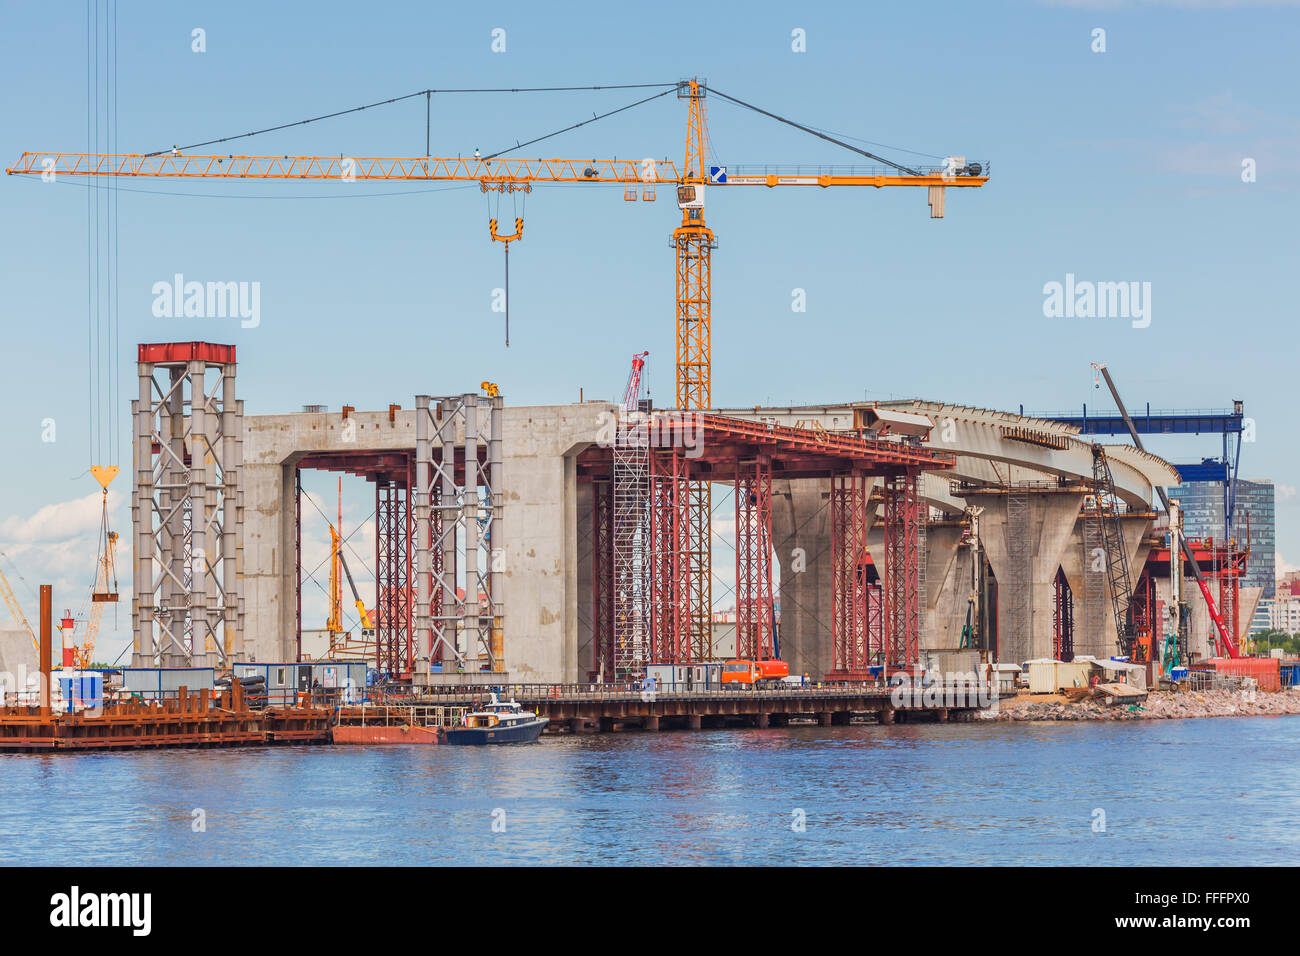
(286, 680)
(686, 676)
(155, 682)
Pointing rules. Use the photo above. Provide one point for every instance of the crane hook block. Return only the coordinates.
(104, 474)
(518, 233)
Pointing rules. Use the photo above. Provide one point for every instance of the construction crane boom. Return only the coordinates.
(435, 169)
(632, 393)
(1225, 640)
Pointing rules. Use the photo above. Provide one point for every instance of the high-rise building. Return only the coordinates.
(1202, 507)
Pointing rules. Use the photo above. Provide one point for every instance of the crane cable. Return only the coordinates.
(813, 132)
(427, 93)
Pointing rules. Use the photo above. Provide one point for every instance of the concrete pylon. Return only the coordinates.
(1039, 537)
(801, 537)
(947, 584)
(1095, 633)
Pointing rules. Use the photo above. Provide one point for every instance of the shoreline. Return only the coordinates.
(1159, 705)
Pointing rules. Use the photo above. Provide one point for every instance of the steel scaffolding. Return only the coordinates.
(394, 643)
(671, 588)
(630, 547)
(903, 518)
(186, 507)
(851, 649)
(755, 609)
(458, 506)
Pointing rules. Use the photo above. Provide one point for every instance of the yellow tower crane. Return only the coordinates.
(692, 239)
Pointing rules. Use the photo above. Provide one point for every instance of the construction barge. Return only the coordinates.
(188, 719)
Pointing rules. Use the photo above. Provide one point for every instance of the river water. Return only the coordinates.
(1211, 791)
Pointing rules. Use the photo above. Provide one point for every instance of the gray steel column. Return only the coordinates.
(230, 638)
(239, 527)
(450, 525)
(496, 550)
(142, 516)
(171, 501)
(472, 620)
(198, 492)
(423, 533)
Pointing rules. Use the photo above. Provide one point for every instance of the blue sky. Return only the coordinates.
(1115, 166)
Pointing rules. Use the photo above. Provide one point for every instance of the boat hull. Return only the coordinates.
(354, 734)
(478, 736)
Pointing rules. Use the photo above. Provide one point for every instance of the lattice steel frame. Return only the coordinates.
(602, 578)
(754, 605)
(671, 588)
(903, 515)
(461, 510)
(1062, 618)
(394, 640)
(630, 532)
(850, 608)
(186, 507)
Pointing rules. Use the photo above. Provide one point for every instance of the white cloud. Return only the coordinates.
(58, 521)
(1284, 492)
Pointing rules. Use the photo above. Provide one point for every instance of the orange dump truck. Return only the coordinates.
(754, 672)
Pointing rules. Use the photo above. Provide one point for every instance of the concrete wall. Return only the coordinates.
(17, 655)
(540, 526)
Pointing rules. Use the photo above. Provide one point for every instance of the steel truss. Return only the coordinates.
(1105, 513)
(630, 550)
(755, 609)
(851, 636)
(458, 499)
(394, 638)
(187, 510)
(671, 585)
(903, 517)
(1062, 619)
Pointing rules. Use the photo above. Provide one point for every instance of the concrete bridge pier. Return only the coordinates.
(1024, 532)
(947, 583)
(1094, 616)
(801, 537)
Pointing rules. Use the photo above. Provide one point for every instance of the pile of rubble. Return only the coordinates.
(1157, 706)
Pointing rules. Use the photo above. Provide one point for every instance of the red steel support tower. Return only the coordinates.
(902, 566)
(754, 605)
(670, 558)
(850, 632)
(394, 635)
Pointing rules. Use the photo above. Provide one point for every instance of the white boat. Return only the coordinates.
(498, 723)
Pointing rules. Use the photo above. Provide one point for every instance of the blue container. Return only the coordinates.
(82, 689)
(1290, 672)
(1178, 673)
